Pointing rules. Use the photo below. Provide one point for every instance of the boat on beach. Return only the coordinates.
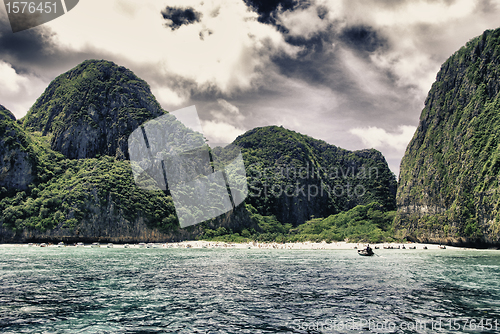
(95, 245)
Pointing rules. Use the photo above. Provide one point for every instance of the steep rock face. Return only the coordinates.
(108, 223)
(448, 187)
(294, 177)
(91, 109)
(102, 223)
(17, 160)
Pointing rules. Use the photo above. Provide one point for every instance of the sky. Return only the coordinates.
(354, 73)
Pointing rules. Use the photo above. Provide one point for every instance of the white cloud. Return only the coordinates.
(11, 82)
(17, 92)
(377, 138)
(367, 77)
(303, 22)
(228, 106)
(220, 132)
(411, 67)
(227, 113)
(424, 12)
(166, 96)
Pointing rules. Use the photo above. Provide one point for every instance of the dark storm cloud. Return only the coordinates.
(29, 46)
(313, 63)
(319, 62)
(267, 9)
(177, 17)
(33, 51)
(362, 38)
(315, 44)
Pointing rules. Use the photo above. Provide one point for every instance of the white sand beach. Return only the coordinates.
(258, 245)
(304, 245)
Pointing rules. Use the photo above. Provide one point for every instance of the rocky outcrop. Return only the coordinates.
(17, 160)
(92, 109)
(448, 188)
(101, 224)
(295, 177)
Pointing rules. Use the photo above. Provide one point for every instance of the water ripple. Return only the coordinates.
(81, 290)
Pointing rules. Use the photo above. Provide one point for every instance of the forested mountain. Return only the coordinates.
(66, 175)
(294, 177)
(91, 110)
(449, 181)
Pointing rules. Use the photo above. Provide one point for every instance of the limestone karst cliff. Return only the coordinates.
(449, 180)
(91, 109)
(17, 158)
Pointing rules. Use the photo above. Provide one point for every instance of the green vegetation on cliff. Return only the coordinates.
(75, 182)
(13, 136)
(293, 176)
(79, 187)
(449, 179)
(92, 109)
(363, 223)
(18, 159)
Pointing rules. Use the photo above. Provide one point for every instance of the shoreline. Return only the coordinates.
(260, 245)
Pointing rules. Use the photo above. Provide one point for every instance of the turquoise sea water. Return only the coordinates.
(116, 290)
